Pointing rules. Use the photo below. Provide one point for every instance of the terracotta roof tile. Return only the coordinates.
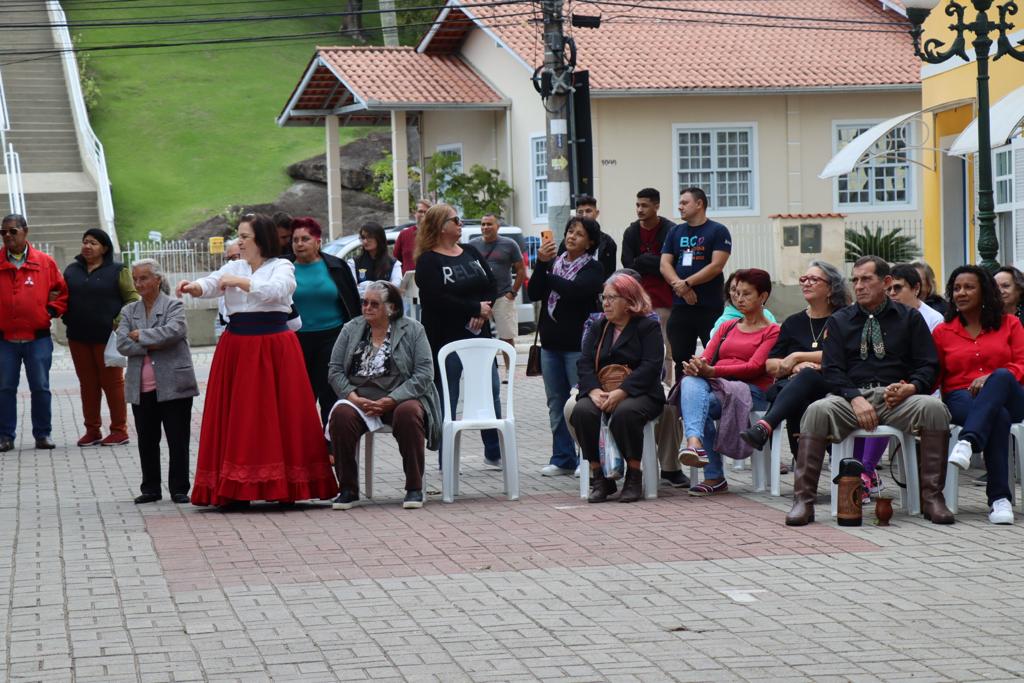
(399, 75)
(659, 46)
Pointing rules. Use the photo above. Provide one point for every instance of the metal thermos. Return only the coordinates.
(851, 492)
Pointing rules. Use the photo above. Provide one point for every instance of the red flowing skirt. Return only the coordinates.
(261, 437)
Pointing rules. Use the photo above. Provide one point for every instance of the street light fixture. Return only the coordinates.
(934, 52)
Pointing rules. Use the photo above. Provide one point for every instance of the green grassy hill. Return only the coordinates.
(190, 130)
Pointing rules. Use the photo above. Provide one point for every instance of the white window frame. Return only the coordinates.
(1008, 178)
(537, 216)
(912, 173)
(453, 148)
(755, 185)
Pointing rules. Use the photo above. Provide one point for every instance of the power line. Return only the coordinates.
(745, 15)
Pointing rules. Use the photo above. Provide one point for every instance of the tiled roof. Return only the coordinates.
(792, 216)
(697, 45)
(385, 78)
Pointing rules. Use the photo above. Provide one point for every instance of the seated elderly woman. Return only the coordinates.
(620, 376)
(383, 370)
(160, 381)
(727, 381)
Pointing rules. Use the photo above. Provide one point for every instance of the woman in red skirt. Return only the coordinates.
(261, 437)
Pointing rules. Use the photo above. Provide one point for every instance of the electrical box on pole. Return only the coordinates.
(582, 140)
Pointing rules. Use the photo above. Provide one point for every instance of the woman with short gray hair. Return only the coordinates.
(795, 360)
(160, 382)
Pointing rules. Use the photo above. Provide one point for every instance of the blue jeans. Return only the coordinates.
(37, 356)
(985, 421)
(700, 408)
(559, 370)
(453, 367)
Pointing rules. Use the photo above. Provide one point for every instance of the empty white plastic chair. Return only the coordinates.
(648, 464)
(910, 497)
(477, 357)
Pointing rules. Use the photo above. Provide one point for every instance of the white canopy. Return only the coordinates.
(848, 157)
(1005, 117)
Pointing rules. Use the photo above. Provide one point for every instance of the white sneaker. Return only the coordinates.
(961, 455)
(577, 472)
(1002, 512)
(554, 471)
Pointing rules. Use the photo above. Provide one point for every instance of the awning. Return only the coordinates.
(848, 157)
(1005, 117)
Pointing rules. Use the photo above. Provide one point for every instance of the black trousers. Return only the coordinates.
(686, 324)
(175, 417)
(800, 391)
(626, 425)
(316, 351)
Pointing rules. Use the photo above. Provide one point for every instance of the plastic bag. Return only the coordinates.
(612, 464)
(112, 358)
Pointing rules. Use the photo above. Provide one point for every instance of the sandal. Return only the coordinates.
(692, 457)
(705, 489)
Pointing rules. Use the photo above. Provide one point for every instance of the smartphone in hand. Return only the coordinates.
(547, 236)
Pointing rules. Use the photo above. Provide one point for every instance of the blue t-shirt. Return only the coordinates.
(316, 297)
(691, 249)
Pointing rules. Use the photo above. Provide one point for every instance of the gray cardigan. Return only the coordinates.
(165, 329)
(413, 360)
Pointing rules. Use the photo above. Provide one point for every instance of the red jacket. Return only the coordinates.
(25, 303)
(964, 359)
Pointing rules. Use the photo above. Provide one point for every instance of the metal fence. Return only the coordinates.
(179, 260)
(753, 246)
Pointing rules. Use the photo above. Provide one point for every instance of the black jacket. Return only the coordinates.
(341, 274)
(639, 347)
(94, 299)
(645, 264)
(577, 300)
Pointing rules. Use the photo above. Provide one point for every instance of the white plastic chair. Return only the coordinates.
(367, 439)
(951, 492)
(477, 357)
(764, 463)
(648, 464)
(910, 497)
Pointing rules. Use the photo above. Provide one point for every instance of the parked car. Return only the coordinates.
(348, 247)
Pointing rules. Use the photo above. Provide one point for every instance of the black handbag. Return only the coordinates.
(533, 368)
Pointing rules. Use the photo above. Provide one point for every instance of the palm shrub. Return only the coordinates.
(891, 245)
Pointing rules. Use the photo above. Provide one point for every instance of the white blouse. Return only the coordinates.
(271, 286)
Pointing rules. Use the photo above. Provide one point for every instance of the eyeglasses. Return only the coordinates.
(367, 303)
(233, 257)
(894, 289)
(610, 298)
(811, 280)
(11, 231)
(456, 219)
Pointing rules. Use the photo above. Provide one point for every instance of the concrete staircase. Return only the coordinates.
(60, 197)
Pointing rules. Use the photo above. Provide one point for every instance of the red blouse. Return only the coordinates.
(743, 354)
(963, 359)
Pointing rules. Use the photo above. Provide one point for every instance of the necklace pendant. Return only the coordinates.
(814, 345)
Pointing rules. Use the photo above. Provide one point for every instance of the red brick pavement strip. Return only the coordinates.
(203, 549)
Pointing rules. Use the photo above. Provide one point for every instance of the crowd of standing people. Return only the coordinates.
(618, 350)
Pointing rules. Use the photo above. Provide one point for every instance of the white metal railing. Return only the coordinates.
(12, 162)
(179, 260)
(91, 146)
(753, 246)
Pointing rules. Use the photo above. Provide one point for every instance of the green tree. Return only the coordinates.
(478, 192)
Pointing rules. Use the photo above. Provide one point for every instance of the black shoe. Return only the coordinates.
(45, 443)
(600, 488)
(980, 480)
(346, 500)
(180, 498)
(413, 500)
(632, 486)
(676, 479)
(234, 506)
(6, 444)
(756, 437)
(147, 498)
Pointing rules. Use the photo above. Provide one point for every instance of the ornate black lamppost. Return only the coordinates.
(934, 51)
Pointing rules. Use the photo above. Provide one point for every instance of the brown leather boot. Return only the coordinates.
(809, 456)
(632, 486)
(600, 486)
(933, 457)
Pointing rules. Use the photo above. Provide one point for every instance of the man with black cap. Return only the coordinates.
(32, 292)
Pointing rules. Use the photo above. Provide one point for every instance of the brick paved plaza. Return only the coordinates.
(545, 588)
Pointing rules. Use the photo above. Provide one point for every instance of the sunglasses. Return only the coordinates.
(894, 289)
(366, 303)
(456, 219)
(9, 231)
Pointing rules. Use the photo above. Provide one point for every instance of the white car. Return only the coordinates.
(348, 247)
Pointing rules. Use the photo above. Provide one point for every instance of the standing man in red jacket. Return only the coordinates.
(32, 292)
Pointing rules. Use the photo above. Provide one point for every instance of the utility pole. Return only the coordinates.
(556, 80)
